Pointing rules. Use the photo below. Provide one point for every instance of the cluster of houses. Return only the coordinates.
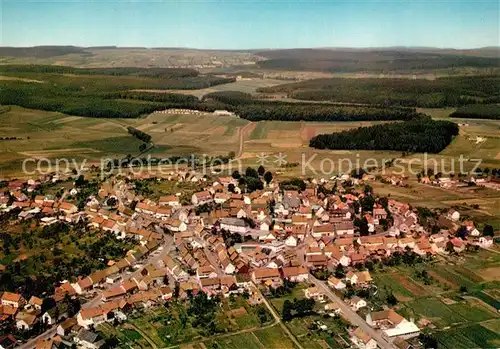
(238, 240)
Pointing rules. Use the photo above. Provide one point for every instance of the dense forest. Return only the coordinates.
(61, 89)
(478, 111)
(252, 109)
(419, 135)
(372, 61)
(442, 92)
(120, 71)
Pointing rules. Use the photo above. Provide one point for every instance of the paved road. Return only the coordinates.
(94, 302)
(351, 315)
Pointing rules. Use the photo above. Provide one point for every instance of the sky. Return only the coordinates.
(245, 24)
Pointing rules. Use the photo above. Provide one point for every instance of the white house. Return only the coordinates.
(291, 241)
(357, 303)
(485, 241)
(25, 321)
(392, 324)
(234, 225)
(315, 293)
(335, 283)
(90, 316)
(296, 274)
(200, 198)
(453, 215)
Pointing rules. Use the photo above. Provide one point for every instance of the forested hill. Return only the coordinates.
(373, 60)
(419, 135)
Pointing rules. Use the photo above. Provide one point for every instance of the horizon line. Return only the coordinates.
(259, 49)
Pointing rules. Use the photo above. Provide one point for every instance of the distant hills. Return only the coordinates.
(329, 60)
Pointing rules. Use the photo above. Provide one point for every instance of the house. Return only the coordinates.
(363, 277)
(220, 198)
(65, 327)
(453, 215)
(351, 277)
(457, 244)
(344, 228)
(485, 241)
(323, 230)
(35, 303)
(317, 261)
(166, 292)
(378, 214)
(49, 343)
(357, 303)
(201, 198)
(335, 283)
(90, 316)
(25, 321)
(336, 255)
(89, 339)
(362, 340)
(392, 324)
(169, 200)
(295, 274)
(206, 271)
(68, 207)
(471, 229)
(12, 299)
(332, 309)
(113, 293)
(291, 241)
(49, 317)
(234, 225)
(314, 293)
(266, 274)
(210, 284)
(227, 266)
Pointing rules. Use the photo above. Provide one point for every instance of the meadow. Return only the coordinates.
(457, 319)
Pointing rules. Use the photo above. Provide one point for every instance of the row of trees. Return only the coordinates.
(478, 111)
(143, 136)
(421, 135)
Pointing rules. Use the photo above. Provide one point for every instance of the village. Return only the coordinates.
(224, 240)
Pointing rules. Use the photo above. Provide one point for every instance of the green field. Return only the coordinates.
(474, 336)
(436, 311)
(164, 326)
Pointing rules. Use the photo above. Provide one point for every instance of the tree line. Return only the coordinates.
(420, 135)
(478, 111)
(143, 136)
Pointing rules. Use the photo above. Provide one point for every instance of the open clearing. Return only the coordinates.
(247, 86)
